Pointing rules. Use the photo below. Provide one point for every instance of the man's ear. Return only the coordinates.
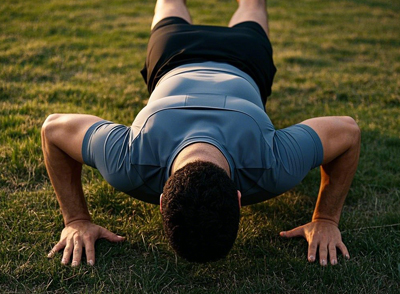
(160, 202)
(239, 198)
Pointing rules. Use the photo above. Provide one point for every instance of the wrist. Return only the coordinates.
(76, 220)
(325, 220)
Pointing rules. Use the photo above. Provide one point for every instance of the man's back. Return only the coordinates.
(227, 114)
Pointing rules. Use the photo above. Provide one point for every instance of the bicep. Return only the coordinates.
(67, 131)
(335, 132)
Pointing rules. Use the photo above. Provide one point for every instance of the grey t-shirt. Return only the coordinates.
(212, 103)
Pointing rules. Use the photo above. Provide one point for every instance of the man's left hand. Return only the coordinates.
(321, 235)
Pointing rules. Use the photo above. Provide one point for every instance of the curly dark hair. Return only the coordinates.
(201, 212)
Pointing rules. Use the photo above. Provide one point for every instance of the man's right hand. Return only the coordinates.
(78, 235)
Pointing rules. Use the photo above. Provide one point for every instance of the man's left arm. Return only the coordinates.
(340, 138)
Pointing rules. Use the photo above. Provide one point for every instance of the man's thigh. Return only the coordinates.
(251, 10)
(170, 8)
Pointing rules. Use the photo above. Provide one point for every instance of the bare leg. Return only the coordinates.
(251, 10)
(169, 8)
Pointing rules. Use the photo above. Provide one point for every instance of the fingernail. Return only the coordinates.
(51, 254)
(283, 234)
(74, 263)
(64, 261)
(333, 261)
(311, 258)
(323, 262)
(347, 256)
(91, 262)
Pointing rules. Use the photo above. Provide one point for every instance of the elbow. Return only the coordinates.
(50, 126)
(354, 130)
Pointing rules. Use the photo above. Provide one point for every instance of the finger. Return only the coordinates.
(343, 249)
(89, 249)
(323, 254)
(296, 232)
(106, 234)
(67, 251)
(332, 254)
(77, 253)
(59, 246)
(312, 251)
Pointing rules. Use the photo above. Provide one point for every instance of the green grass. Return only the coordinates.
(333, 58)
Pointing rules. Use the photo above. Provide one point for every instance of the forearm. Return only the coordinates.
(330, 200)
(65, 176)
(336, 179)
(70, 195)
(341, 139)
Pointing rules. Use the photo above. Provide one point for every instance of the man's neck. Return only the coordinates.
(200, 152)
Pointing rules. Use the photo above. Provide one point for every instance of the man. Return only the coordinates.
(204, 142)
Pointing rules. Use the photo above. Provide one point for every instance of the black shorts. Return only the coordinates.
(175, 42)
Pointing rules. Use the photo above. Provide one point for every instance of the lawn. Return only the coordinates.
(333, 58)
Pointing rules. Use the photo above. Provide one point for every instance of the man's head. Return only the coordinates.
(201, 208)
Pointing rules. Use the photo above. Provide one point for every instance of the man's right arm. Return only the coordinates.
(62, 137)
